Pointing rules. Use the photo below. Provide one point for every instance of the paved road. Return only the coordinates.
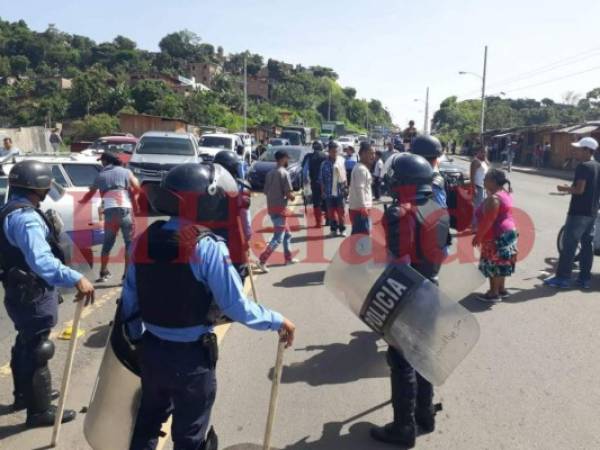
(530, 383)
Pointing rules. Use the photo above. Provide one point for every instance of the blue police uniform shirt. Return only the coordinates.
(439, 196)
(211, 265)
(25, 229)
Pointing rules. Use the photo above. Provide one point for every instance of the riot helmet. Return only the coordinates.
(30, 174)
(230, 161)
(409, 177)
(428, 147)
(196, 192)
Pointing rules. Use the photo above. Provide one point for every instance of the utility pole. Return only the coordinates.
(245, 94)
(426, 124)
(367, 118)
(329, 107)
(482, 128)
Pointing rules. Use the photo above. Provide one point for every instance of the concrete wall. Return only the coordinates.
(29, 139)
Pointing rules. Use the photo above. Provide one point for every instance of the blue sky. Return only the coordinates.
(386, 49)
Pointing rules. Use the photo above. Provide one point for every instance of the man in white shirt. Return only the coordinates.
(377, 174)
(8, 148)
(361, 197)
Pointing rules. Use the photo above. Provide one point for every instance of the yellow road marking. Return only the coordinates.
(99, 303)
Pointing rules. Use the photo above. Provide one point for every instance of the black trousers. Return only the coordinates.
(177, 379)
(33, 320)
(412, 395)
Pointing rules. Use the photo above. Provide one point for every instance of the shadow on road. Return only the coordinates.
(302, 280)
(10, 430)
(339, 363)
(97, 337)
(332, 438)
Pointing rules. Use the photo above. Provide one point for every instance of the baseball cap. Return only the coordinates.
(586, 142)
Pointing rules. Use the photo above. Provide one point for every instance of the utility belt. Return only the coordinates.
(28, 285)
(208, 341)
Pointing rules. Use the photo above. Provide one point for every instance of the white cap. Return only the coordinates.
(586, 142)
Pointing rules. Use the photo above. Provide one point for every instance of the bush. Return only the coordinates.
(92, 127)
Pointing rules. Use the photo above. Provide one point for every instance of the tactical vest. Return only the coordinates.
(12, 257)
(420, 234)
(314, 164)
(168, 293)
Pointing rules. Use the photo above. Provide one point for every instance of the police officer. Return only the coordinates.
(430, 148)
(312, 167)
(416, 230)
(238, 235)
(181, 274)
(32, 264)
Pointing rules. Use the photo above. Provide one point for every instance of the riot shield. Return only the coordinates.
(110, 418)
(433, 331)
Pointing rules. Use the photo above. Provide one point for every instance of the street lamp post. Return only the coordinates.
(483, 80)
(426, 117)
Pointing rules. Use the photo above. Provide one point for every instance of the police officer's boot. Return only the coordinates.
(17, 375)
(425, 418)
(40, 411)
(212, 441)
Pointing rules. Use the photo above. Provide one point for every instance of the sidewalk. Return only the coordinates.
(564, 174)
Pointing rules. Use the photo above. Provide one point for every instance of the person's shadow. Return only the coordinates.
(98, 337)
(357, 438)
(340, 363)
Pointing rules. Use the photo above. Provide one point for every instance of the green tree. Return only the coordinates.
(146, 92)
(95, 125)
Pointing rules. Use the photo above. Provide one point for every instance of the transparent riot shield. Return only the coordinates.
(433, 331)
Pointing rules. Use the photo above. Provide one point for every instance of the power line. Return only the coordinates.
(591, 69)
(540, 70)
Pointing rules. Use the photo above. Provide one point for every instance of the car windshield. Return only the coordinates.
(82, 175)
(345, 139)
(56, 191)
(216, 142)
(293, 153)
(277, 142)
(165, 146)
(118, 147)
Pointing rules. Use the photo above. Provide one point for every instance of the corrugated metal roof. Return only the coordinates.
(585, 130)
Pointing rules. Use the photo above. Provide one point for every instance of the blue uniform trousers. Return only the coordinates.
(177, 379)
(33, 321)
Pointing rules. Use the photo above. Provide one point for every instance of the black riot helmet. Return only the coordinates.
(230, 161)
(317, 146)
(428, 147)
(409, 177)
(197, 192)
(30, 174)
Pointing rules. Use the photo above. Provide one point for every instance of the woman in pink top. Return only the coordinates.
(497, 235)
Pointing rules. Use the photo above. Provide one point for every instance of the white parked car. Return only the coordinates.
(72, 177)
(157, 152)
(212, 143)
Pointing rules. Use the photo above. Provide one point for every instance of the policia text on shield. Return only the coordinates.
(429, 334)
(33, 266)
(180, 282)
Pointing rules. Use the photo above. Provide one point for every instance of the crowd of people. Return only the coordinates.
(343, 187)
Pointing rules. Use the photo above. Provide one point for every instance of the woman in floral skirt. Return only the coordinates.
(496, 235)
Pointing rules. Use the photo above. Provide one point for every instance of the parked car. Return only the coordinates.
(259, 169)
(123, 146)
(72, 178)
(346, 141)
(212, 143)
(277, 142)
(157, 152)
(295, 137)
(458, 192)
